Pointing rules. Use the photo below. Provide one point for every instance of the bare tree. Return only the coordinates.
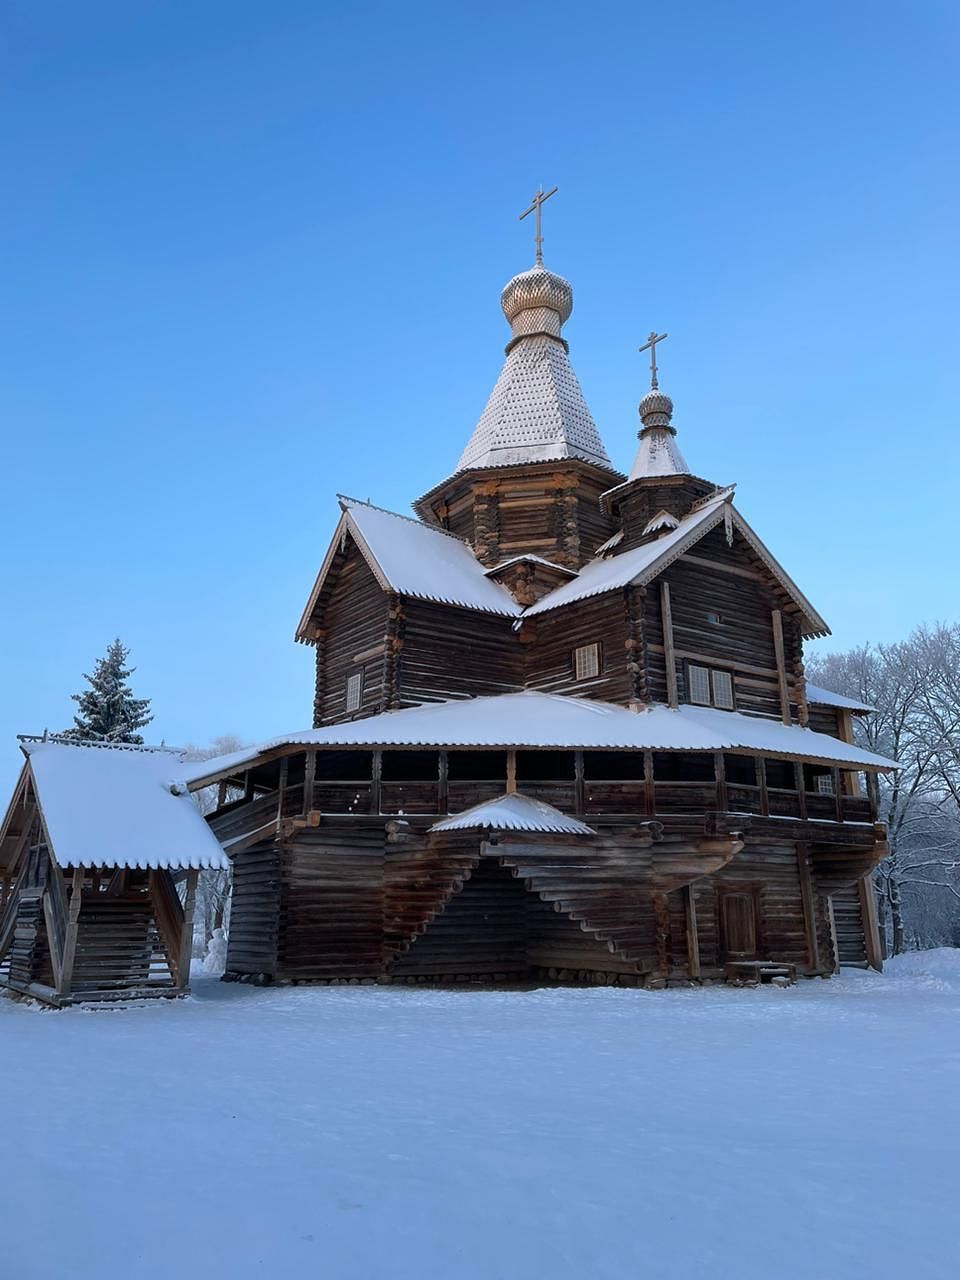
(915, 687)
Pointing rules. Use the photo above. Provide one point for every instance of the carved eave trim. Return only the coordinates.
(424, 505)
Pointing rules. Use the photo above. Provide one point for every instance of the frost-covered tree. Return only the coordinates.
(212, 917)
(108, 711)
(915, 686)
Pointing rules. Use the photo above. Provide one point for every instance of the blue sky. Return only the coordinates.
(252, 256)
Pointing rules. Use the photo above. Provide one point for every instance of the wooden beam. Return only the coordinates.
(73, 928)
(309, 778)
(186, 936)
(871, 924)
(777, 619)
(669, 655)
(809, 907)
(693, 940)
(511, 772)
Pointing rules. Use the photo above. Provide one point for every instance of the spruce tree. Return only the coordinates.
(108, 710)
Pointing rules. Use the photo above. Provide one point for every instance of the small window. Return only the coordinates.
(708, 687)
(354, 690)
(700, 686)
(722, 689)
(586, 661)
(824, 784)
(714, 619)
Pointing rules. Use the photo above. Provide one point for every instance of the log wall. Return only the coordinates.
(353, 614)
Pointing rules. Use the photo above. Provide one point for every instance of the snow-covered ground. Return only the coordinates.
(365, 1132)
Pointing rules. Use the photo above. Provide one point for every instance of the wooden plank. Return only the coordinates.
(777, 620)
(668, 649)
(186, 936)
(70, 938)
(871, 924)
(693, 940)
(809, 907)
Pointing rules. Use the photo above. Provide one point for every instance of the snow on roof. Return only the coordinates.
(634, 565)
(112, 806)
(544, 720)
(515, 812)
(827, 698)
(528, 558)
(413, 559)
(641, 564)
(536, 412)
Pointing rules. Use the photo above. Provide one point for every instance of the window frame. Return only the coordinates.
(353, 692)
(709, 675)
(593, 646)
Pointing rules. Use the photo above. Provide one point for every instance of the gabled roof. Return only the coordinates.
(543, 720)
(536, 412)
(412, 559)
(515, 812)
(827, 698)
(641, 564)
(113, 806)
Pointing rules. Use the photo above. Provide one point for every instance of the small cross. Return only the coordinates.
(651, 344)
(538, 198)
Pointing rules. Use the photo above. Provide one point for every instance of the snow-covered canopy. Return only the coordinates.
(515, 812)
(544, 720)
(827, 698)
(112, 806)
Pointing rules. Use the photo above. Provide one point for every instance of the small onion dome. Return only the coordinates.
(656, 409)
(537, 288)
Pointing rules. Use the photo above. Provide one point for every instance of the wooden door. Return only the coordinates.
(738, 925)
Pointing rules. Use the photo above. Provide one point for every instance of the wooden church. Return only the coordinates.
(561, 728)
(561, 733)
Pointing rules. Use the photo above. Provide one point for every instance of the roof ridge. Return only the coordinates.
(421, 524)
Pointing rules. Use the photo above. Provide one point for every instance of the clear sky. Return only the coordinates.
(252, 255)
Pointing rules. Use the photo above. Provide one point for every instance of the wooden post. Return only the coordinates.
(70, 937)
(282, 785)
(777, 617)
(511, 772)
(801, 785)
(376, 780)
(186, 937)
(309, 778)
(837, 797)
(809, 907)
(578, 783)
(649, 788)
(443, 783)
(720, 777)
(693, 940)
(764, 794)
(871, 925)
(669, 653)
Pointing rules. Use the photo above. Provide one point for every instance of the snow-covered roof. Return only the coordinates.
(112, 806)
(641, 564)
(544, 720)
(413, 559)
(827, 698)
(515, 812)
(528, 558)
(536, 412)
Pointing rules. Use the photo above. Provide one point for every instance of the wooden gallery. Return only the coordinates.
(561, 733)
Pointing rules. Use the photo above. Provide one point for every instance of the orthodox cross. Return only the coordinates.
(651, 345)
(539, 197)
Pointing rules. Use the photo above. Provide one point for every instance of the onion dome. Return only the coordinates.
(656, 409)
(535, 290)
